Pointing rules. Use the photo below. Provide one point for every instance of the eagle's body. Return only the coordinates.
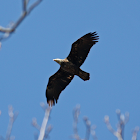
(70, 66)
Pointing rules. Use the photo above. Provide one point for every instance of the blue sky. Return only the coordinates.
(26, 63)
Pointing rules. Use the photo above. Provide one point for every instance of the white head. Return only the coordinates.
(58, 60)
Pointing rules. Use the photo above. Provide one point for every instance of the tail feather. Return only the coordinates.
(84, 75)
(51, 103)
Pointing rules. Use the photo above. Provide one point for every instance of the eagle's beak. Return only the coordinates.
(56, 60)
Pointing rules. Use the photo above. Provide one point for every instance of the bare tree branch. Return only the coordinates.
(44, 123)
(43, 132)
(88, 126)
(35, 124)
(93, 133)
(12, 118)
(8, 31)
(134, 133)
(76, 113)
(89, 129)
(123, 119)
(106, 118)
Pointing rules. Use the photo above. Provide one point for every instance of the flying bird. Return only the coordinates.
(70, 66)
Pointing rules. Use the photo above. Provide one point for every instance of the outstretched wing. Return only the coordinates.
(56, 84)
(81, 48)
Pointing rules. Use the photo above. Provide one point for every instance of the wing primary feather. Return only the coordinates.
(81, 48)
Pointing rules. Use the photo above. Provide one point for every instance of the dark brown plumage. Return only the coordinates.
(70, 66)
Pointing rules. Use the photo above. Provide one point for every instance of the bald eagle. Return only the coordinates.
(70, 66)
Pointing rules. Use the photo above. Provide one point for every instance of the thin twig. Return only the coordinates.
(106, 118)
(76, 113)
(35, 124)
(89, 129)
(93, 133)
(134, 133)
(12, 118)
(8, 31)
(123, 119)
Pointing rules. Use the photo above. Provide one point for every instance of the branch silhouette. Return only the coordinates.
(44, 133)
(122, 120)
(89, 129)
(12, 27)
(12, 118)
